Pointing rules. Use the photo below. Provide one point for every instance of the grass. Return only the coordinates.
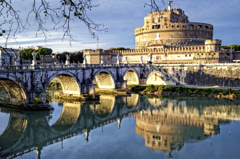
(186, 91)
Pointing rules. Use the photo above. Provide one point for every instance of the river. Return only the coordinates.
(131, 126)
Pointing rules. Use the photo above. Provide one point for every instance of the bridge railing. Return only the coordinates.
(62, 66)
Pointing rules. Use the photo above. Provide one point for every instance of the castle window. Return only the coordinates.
(172, 26)
(190, 55)
(183, 26)
(178, 26)
(206, 27)
(147, 20)
(158, 19)
(153, 20)
(190, 26)
(156, 26)
(199, 26)
(186, 55)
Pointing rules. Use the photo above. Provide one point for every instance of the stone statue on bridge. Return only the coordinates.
(126, 62)
(118, 60)
(141, 61)
(34, 61)
(85, 59)
(17, 59)
(67, 60)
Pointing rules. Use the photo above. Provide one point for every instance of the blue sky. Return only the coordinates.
(121, 17)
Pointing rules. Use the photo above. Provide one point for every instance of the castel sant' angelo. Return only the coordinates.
(167, 37)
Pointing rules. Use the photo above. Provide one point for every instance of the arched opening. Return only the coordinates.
(131, 77)
(156, 102)
(131, 101)
(155, 78)
(104, 80)
(68, 118)
(13, 132)
(4, 118)
(191, 26)
(105, 108)
(62, 84)
(11, 92)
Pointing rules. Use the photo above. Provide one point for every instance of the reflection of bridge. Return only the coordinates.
(165, 124)
(24, 84)
(27, 132)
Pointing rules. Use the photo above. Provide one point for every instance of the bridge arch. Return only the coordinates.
(131, 101)
(131, 77)
(158, 78)
(15, 90)
(104, 79)
(70, 83)
(15, 129)
(103, 110)
(68, 118)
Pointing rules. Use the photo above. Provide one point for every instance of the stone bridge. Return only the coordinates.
(26, 83)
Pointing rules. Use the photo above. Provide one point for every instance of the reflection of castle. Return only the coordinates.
(167, 37)
(168, 128)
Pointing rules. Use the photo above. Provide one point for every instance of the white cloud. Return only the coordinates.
(121, 17)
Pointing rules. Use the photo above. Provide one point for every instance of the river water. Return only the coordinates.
(124, 127)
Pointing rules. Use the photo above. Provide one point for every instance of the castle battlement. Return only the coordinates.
(171, 28)
(167, 37)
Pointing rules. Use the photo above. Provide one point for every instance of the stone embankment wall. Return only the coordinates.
(223, 75)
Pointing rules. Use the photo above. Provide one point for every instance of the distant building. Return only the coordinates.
(8, 56)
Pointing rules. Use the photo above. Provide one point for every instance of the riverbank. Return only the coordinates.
(164, 90)
(39, 107)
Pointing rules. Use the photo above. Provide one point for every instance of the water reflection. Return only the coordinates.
(165, 124)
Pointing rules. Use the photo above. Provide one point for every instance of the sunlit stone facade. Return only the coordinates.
(167, 37)
(171, 28)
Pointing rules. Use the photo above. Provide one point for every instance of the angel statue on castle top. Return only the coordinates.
(169, 4)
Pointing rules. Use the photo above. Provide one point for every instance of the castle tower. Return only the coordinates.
(171, 28)
(213, 45)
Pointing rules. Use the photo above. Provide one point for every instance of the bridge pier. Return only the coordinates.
(121, 84)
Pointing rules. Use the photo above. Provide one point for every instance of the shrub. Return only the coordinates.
(37, 101)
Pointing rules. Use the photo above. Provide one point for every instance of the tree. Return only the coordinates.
(27, 53)
(235, 47)
(43, 51)
(54, 13)
(58, 13)
(121, 48)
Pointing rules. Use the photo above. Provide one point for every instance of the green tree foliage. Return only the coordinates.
(77, 57)
(27, 53)
(235, 47)
(121, 48)
(74, 58)
(62, 57)
(43, 51)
